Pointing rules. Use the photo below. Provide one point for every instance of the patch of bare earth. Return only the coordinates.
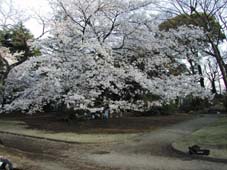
(54, 122)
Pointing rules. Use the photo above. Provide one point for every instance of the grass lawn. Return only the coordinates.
(213, 137)
(19, 127)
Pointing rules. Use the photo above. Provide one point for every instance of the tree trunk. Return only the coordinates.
(213, 90)
(201, 76)
(221, 63)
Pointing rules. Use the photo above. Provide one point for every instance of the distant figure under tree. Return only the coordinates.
(106, 112)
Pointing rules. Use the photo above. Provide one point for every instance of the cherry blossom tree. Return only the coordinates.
(104, 52)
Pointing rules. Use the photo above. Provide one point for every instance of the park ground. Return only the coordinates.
(130, 143)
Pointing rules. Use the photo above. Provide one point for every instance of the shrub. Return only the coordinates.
(193, 104)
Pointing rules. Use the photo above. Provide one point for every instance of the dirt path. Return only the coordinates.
(152, 151)
(149, 151)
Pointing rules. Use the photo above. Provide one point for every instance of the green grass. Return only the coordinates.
(213, 137)
(19, 127)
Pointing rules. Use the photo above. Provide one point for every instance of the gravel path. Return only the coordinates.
(152, 151)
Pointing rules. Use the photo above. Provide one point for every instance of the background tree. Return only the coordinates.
(196, 19)
(16, 49)
(211, 16)
(15, 40)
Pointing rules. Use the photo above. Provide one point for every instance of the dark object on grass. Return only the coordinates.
(195, 149)
(5, 164)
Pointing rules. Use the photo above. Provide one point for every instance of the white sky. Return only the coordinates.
(30, 8)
